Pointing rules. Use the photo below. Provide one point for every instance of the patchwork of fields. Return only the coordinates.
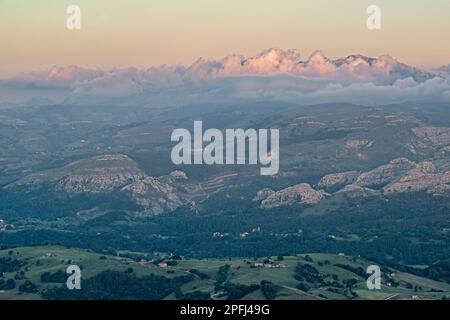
(311, 276)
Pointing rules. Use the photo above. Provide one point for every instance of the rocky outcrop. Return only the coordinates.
(178, 175)
(385, 174)
(174, 177)
(424, 177)
(433, 136)
(101, 181)
(153, 195)
(99, 174)
(301, 193)
(114, 173)
(337, 179)
(263, 194)
(399, 175)
(103, 173)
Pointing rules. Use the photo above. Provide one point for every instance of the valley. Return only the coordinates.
(369, 181)
(39, 272)
(229, 152)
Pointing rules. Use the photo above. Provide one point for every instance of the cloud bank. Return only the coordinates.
(272, 75)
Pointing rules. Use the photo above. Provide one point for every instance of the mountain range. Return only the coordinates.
(272, 75)
(384, 69)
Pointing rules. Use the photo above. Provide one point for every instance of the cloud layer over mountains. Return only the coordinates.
(272, 75)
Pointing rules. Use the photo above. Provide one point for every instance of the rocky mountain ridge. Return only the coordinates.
(113, 173)
(397, 176)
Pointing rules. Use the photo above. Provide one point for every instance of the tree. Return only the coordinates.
(172, 263)
(303, 286)
(7, 285)
(268, 290)
(28, 287)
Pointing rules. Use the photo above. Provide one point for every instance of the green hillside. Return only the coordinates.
(312, 276)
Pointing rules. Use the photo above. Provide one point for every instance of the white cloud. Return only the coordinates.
(272, 75)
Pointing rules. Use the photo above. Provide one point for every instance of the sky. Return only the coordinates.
(144, 33)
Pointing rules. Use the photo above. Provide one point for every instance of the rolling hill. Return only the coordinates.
(39, 272)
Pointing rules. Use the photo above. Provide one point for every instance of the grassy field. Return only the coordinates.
(242, 271)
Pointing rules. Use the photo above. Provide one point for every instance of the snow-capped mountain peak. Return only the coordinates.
(352, 68)
(318, 57)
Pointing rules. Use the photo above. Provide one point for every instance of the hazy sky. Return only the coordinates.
(143, 33)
